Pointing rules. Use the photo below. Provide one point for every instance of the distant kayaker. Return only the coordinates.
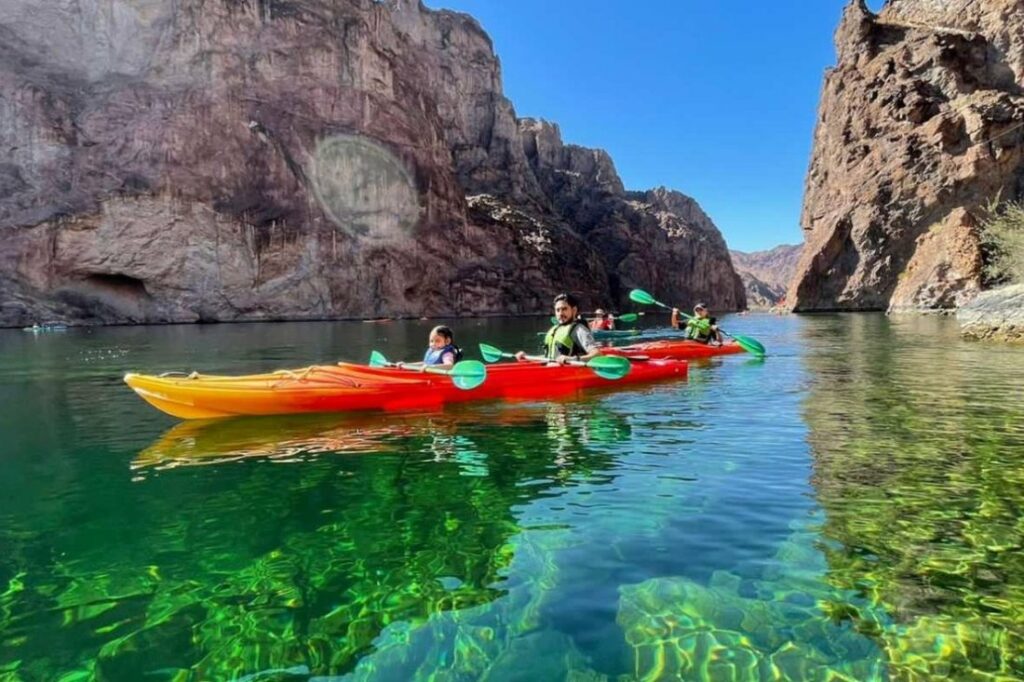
(700, 327)
(571, 338)
(602, 321)
(441, 350)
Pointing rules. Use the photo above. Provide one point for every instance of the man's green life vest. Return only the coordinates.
(560, 340)
(699, 329)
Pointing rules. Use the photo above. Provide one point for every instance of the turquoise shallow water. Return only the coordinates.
(847, 508)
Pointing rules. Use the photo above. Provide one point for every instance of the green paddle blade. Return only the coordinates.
(641, 296)
(609, 366)
(752, 346)
(554, 320)
(377, 359)
(468, 374)
(490, 353)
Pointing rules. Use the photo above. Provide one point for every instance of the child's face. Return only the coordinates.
(437, 341)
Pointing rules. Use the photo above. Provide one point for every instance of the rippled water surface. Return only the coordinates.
(847, 508)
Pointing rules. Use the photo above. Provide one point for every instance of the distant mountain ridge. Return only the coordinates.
(766, 274)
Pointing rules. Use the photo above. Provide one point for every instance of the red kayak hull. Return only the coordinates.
(527, 380)
(351, 388)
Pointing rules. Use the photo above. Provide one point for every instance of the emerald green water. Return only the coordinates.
(848, 508)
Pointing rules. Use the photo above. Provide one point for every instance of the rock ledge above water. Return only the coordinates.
(995, 315)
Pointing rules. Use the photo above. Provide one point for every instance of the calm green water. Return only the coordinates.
(849, 508)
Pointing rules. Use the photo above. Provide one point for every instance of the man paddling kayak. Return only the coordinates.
(570, 338)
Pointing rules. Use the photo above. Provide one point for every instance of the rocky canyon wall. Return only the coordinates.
(202, 160)
(921, 125)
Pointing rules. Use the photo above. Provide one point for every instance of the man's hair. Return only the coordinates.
(569, 299)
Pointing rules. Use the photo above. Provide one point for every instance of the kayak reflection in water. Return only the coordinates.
(278, 437)
(574, 429)
(571, 338)
(441, 350)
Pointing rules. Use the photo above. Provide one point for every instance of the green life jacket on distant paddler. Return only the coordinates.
(698, 329)
(561, 341)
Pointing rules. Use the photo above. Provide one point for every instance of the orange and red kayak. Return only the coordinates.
(350, 388)
(679, 349)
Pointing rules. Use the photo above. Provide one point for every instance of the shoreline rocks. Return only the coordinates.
(995, 315)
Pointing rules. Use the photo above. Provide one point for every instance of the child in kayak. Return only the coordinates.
(441, 350)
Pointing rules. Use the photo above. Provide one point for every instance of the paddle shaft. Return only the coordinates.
(418, 367)
(541, 358)
(528, 358)
(625, 317)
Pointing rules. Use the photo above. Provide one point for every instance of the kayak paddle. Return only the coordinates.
(628, 317)
(747, 343)
(465, 375)
(604, 366)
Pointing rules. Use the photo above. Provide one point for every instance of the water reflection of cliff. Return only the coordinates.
(299, 557)
(918, 442)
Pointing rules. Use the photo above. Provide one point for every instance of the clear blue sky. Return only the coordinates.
(715, 98)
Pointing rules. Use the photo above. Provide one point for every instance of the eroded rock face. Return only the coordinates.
(186, 161)
(766, 274)
(921, 124)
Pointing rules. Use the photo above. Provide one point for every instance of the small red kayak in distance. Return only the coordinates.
(679, 350)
